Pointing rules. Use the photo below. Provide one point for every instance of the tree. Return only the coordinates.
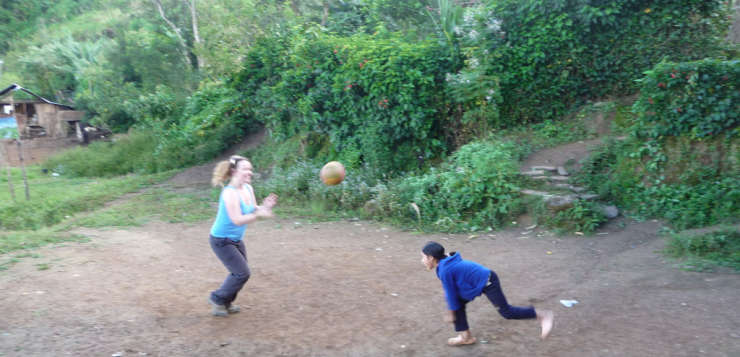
(187, 44)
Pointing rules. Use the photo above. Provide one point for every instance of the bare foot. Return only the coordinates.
(460, 340)
(546, 318)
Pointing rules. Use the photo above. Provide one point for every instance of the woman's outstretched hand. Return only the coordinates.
(270, 201)
(263, 212)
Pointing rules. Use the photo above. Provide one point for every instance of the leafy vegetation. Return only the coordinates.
(429, 104)
(130, 153)
(476, 189)
(708, 250)
(370, 98)
(695, 99)
(582, 216)
(371, 83)
(680, 162)
(551, 54)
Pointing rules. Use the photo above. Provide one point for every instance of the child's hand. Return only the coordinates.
(450, 316)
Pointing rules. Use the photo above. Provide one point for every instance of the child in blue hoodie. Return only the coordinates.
(463, 281)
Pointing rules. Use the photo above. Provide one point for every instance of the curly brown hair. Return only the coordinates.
(224, 169)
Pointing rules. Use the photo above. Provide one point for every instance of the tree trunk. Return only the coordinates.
(734, 34)
(196, 34)
(325, 15)
(295, 6)
(185, 49)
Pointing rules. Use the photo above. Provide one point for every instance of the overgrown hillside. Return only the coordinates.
(430, 104)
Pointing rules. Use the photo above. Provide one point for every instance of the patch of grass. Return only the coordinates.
(155, 203)
(43, 266)
(20, 240)
(550, 133)
(313, 210)
(28, 255)
(55, 198)
(704, 252)
(5, 265)
(624, 118)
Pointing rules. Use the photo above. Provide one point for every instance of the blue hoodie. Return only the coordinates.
(461, 279)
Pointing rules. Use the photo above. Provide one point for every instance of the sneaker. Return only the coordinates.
(233, 309)
(218, 310)
(461, 341)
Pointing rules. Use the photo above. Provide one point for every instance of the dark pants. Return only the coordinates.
(234, 256)
(494, 293)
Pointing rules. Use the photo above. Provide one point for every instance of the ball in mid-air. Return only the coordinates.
(332, 173)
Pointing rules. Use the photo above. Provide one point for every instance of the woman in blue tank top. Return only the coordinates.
(237, 206)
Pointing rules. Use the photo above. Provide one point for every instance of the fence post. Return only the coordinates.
(7, 169)
(23, 169)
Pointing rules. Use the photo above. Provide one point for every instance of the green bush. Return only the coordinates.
(617, 173)
(170, 135)
(299, 185)
(681, 160)
(583, 216)
(211, 120)
(378, 99)
(475, 190)
(126, 154)
(696, 99)
(688, 206)
(551, 54)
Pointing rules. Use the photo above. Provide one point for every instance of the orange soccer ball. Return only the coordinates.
(332, 173)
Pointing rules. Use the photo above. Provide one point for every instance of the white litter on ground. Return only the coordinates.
(568, 303)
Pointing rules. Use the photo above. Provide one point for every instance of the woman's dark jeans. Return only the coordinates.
(496, 295)
(234, 256)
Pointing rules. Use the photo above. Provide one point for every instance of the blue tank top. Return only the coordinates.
(223, 227)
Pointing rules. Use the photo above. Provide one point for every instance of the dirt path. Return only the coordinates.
(358, 289)
(562, 155)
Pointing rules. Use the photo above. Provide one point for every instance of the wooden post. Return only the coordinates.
(23, 169)
(7, 169)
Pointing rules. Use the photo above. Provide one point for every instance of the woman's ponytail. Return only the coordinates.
(221, 173)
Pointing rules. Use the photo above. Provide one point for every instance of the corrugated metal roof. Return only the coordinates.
(14, 87)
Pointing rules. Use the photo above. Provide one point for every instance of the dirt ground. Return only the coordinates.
(358, 289)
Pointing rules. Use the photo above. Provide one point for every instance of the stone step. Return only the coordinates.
(568, 186)
(588, 196)
(533, 173)
(562, 171)
(543, 168)
(558, 202)
(536, 193)
(551, 178)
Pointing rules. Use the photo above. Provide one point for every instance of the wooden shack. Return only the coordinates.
(45, 128)
(40, 117)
